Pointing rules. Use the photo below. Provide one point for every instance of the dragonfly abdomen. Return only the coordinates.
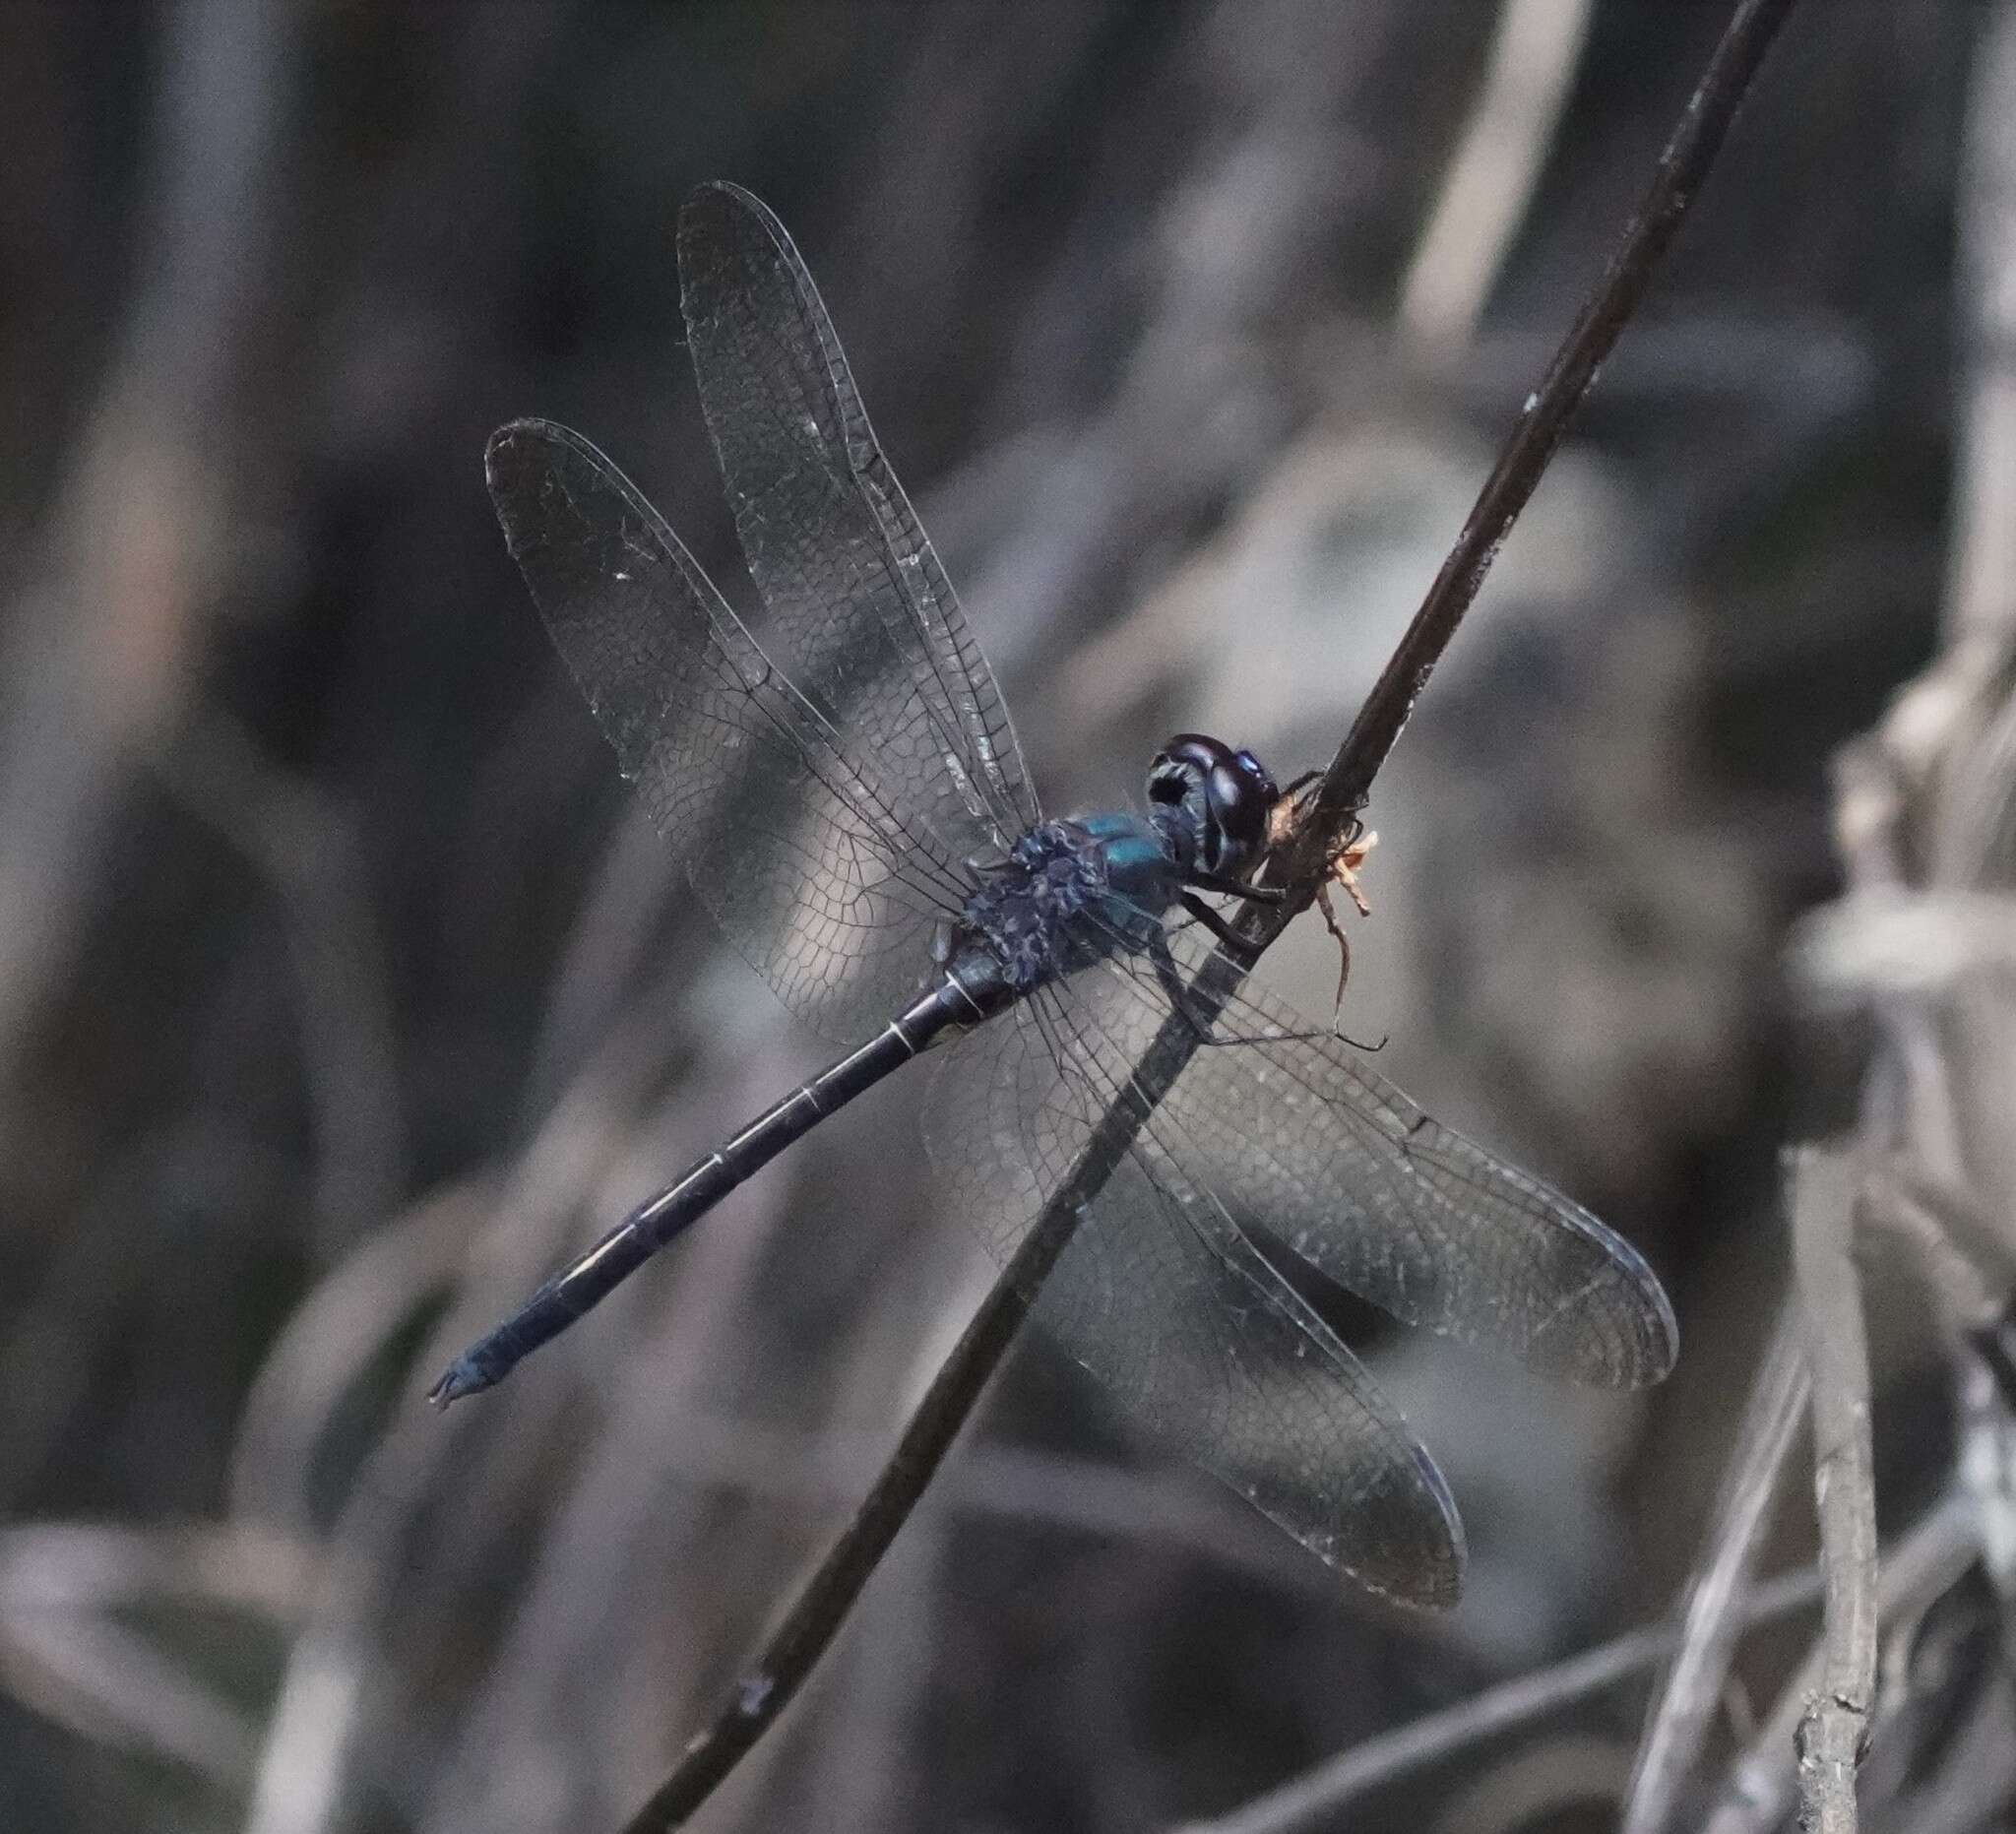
(971, 990)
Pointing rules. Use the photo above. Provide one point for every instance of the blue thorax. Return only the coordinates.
(1075, 890)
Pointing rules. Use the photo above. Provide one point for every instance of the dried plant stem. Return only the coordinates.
(1317, 1798)
(1693, 1694)
(816, 1614)
(809, 1625)
(1922, 817)
(1834, 1724)
(1491, 180)
(1920, 1566)
(1676, 185)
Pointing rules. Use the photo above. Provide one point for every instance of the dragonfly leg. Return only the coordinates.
(1179, 995)
(1344, 871)
(1172, 982)
(1335, 929)
(1172, 977)
(1228, 938)
(1238, 888)
(1286, 814)
(1344, 868)
(1342, 942)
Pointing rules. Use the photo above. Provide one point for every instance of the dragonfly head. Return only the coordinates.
(1211, 803)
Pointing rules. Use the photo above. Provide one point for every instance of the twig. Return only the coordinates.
(1964, 1257)
(1987, 1467)
(1677, 183)
(1980, 610)
(308, 849)
(322, 1698)
(1316, 1799)
(1921, 1567)
(100, 650)
(815, 1616)
(80, 1641)
(1971, 1787)
(1489, 182)
(329, 1340)
(1835, 1726)
(808, 1627)
(1686, 1706)
(1922, 822)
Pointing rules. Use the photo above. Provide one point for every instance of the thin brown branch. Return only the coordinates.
(813, 1619)
(1676, 185)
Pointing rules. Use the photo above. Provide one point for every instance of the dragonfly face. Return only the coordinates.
(1211, 804)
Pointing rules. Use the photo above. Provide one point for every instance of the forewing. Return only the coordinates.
(1295, 1135)
(828, 885)
(860, 609)
(1162, 1300)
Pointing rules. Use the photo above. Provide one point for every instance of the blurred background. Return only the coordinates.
(343, 988)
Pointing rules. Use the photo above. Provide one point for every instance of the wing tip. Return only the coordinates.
(1663, 1339)
(1406, 1564)
(719, 193)
(1647, 1331)
(727, 214)
(1616, 1331)
(498, 452)
(512, 453)
(504, 450)
(1405, 1576)
(527, 427)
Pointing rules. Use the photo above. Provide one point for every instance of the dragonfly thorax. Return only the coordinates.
(1070, 892)
(1073, 891)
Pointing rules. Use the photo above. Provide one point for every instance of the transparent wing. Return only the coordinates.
(1161, 1296)
(1299, 1137)
(860, 609)
(828, 884)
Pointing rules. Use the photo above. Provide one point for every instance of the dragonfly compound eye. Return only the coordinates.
(1241, 794)
(1226, 794)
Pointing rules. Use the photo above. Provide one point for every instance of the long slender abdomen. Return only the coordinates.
(648, 1228)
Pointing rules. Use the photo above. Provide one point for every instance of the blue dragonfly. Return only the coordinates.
(848, 797)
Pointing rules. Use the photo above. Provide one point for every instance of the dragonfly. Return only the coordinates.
(844, 790)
